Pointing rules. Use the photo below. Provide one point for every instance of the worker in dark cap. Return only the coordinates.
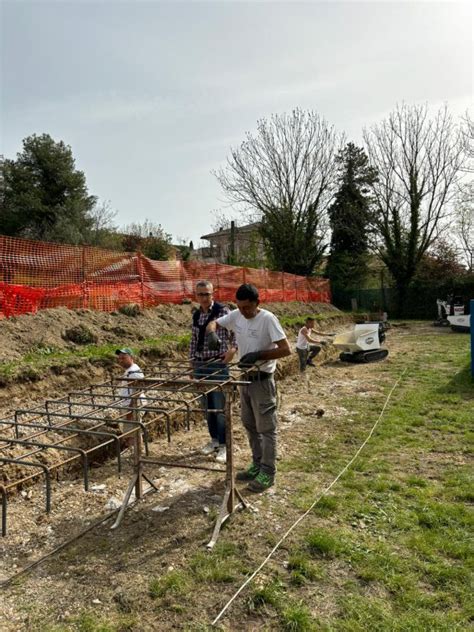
(131, 372)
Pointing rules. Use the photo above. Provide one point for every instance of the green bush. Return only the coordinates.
(80, 334)
(130, 309)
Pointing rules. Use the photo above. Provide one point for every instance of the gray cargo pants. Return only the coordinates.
(306, 355)
(258, 413)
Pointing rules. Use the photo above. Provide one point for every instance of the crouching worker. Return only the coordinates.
(132, 372)
(211, 364)
(308, 347)
(260, 340)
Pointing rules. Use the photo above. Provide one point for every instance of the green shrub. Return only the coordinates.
(130, 309)
(80, 335)
(29, 374)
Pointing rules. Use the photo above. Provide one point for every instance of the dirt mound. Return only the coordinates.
(47, 330)
(298, 309)
(57, 350)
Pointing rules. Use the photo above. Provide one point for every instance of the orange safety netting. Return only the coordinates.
(37, 275)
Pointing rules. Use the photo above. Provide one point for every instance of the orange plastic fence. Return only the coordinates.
(37, 275)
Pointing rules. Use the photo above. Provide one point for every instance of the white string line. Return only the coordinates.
(323, 493)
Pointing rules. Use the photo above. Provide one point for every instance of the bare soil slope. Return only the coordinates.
(38, 359)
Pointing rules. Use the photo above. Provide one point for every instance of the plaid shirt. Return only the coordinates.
(226, 337)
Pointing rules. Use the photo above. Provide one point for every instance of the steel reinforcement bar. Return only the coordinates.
(170, 390)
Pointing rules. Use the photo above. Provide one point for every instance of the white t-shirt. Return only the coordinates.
(133, 372)
(302, 342)
(259, 333)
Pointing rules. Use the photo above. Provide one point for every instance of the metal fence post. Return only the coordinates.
(84, 281)
(140, 274)
(472, 336)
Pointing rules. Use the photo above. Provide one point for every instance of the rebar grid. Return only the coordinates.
(232, 499)
(62, 424)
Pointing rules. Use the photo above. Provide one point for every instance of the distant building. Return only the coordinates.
(238, 245)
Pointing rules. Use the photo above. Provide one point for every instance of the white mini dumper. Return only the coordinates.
(362, 344)
(460, 323)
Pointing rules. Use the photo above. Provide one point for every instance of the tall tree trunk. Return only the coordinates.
(402, 291)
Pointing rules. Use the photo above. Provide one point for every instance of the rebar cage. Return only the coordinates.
(92, 423)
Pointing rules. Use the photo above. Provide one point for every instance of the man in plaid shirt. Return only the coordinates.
(211, 365)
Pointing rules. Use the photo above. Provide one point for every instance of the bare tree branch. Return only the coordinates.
(464, 224)
(285, 173)
(419, 160)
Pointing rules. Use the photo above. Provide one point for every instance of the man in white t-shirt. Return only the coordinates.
(308, 347)
(261, 341)
(132, 372)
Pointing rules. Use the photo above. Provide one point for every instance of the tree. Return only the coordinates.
(149, 238)
(103, 231)
(184, 248)
(439, 264)
(44, 196)
(418, 160)
(350, 218)
(464, 224)
(468, 137)
(284, 176)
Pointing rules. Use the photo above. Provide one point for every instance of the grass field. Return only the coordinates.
(390, 546)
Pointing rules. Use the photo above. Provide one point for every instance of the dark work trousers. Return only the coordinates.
(306, 355)
(258, 412)
(214, 400)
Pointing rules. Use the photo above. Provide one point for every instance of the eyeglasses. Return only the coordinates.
(204, 294)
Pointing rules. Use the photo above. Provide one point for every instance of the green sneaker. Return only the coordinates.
(261, 482)
(249, 474)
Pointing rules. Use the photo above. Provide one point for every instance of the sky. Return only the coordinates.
(151, 95)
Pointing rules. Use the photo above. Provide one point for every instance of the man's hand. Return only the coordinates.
(249, 359)
(227, 359)
(213, 342)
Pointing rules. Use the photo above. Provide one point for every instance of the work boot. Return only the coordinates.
(310, 363)
(249, 474)
(210, 447)
(261, 483)
(221, 456)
